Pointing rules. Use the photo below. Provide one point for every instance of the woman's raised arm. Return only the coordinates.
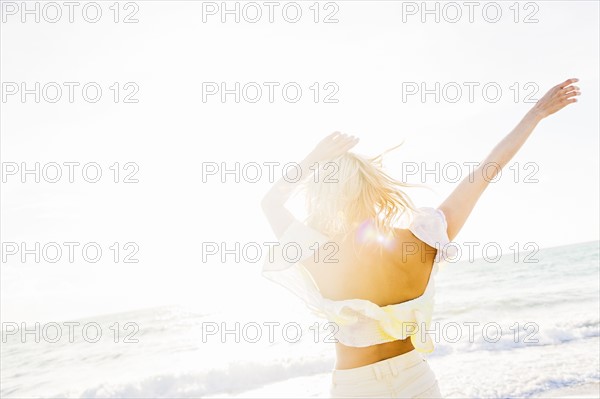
(459, 204)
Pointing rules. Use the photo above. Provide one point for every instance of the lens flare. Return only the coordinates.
(368, 233)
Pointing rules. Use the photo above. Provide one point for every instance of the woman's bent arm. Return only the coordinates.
(273, 203)
(459, 204)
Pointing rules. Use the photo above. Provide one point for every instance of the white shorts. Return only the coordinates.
(404, 376)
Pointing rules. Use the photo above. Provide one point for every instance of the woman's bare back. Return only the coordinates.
(384, 274)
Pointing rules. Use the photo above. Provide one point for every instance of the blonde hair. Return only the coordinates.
(352, 190)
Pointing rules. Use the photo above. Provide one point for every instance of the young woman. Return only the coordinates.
(352, 265)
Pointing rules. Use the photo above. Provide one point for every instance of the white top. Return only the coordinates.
(361, 322)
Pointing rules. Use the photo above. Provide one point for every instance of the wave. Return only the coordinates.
(510, 339)
(542, 388)
(235, 378)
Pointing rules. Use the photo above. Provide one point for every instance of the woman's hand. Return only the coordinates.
(331, 147)
(556, 98)
(273, 204)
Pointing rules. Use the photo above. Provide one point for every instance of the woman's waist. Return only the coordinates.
(349, 357)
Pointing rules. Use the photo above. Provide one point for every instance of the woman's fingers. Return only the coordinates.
(567, 83)
(349, 144)
(571, 94)
(333, 146)
(332, 137)
(343, 138)
(351, 141)
(566, 99)
(343, 144)
(568, 89)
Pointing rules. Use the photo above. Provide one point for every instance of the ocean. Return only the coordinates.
(505, 329)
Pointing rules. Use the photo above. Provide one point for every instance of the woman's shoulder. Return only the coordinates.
(430, 226)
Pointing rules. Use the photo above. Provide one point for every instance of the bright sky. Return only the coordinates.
(370, 56)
